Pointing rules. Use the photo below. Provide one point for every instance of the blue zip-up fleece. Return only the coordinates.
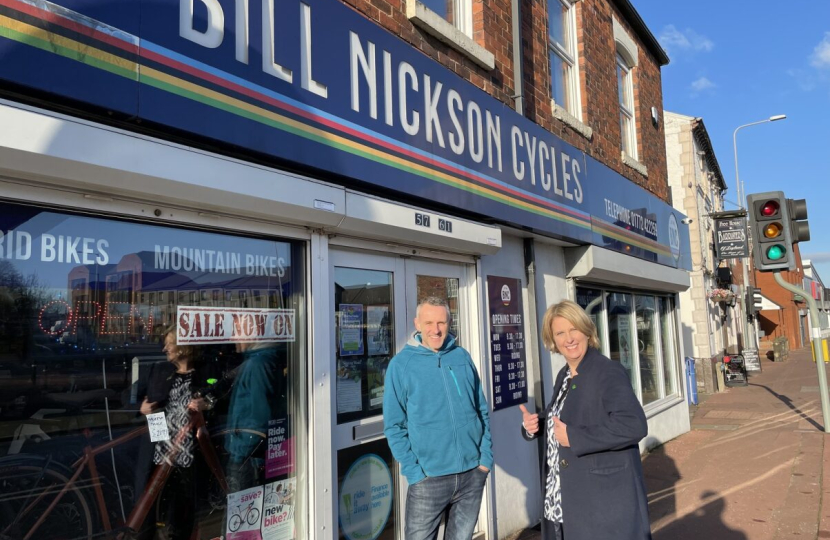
(436, 419)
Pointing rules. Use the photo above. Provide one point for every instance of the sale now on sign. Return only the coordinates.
(199, 325)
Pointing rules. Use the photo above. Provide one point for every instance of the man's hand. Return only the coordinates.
(484, 469)
(530, 422)
(147, 407)
(560, 431)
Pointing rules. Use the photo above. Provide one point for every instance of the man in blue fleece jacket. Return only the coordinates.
(437, 424)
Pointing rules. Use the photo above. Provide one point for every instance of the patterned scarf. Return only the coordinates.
(553, 486)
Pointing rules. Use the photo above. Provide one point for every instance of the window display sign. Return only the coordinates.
(279, 459)
(366, 496)
(351, 329)
(507, 342)
(244, 514)
(198, 325)
(278, 510)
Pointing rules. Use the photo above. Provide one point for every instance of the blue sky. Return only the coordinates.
(736, 62)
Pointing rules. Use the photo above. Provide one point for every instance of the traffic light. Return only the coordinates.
(753, 301)
(799, 228)
(770, 231)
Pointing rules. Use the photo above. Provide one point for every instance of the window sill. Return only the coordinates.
(437, 26)
(656, 407)
(562, 114)
(634, 164)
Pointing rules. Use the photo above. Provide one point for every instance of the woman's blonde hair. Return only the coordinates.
(573, 313)
(188, 351)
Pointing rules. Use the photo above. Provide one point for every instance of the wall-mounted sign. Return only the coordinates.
(730, 238)
(319, 85)
(507, 344)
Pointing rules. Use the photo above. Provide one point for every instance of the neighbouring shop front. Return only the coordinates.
(281, 218)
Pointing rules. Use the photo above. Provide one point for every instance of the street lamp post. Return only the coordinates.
(741, 197)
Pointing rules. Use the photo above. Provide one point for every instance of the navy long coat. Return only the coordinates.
(603, 492)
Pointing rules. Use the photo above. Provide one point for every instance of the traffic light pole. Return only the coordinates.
(817, 346)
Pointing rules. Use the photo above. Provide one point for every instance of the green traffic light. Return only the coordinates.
(776, 252)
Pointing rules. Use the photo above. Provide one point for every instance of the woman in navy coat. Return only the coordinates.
(593, 478)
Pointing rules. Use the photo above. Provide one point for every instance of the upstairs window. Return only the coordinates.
(562, 52)
(456, 12)
(625, 90)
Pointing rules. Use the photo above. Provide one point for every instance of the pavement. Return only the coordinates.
(751, 466)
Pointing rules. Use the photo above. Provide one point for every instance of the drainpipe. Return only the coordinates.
(518, 73)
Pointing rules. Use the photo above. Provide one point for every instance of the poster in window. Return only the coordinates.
(244, 514)
(278, 510)
(279, 459)
(351, 329)
(349, 385)
(378, 330)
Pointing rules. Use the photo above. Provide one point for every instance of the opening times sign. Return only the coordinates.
(507, 345)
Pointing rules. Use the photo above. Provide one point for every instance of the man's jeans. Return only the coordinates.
(459, 495)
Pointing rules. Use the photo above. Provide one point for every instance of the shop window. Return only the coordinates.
(670, 355)
(591, 302)
(621, 337)
(562, 53)
(89, 367)
(638, 331)
(648, 349)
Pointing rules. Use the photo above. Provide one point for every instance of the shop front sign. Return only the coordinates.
(314, 83)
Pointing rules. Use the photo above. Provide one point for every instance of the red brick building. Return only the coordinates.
(598, 35)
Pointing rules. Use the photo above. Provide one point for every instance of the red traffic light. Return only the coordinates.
(770, 208)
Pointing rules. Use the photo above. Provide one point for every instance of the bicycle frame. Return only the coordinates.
(151, 492)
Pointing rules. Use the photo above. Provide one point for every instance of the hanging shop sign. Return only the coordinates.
(507, 342)
(314, 83)
(730, 238)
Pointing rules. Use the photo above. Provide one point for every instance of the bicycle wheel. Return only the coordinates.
(253, 516)
(234, 523)
(21, 484)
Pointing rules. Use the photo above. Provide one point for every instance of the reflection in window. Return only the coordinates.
(562, 52)
(621, 338)
(670, 358)
(83, 361)
(364, 330)
(591, 301)
(456, 12)
(648, 348)
(625, 89)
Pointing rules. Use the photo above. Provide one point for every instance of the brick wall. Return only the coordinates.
(492, 29)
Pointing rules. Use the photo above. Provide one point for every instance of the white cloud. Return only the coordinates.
(673, 39)
(818, 257)
(803, 79)
(702, 84)
(821, 54)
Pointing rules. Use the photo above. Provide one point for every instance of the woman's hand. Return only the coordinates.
(560, 431)
(147, 407)
(530, 422)
(198, 404)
